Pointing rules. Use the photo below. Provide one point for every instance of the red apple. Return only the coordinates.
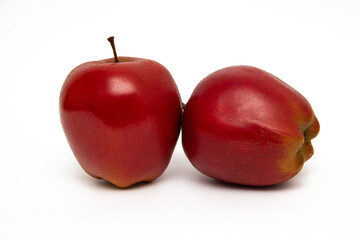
(243, 125)
(121, 117)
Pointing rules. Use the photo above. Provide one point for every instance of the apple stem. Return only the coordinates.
(111, 40)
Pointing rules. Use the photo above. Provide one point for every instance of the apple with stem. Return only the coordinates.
(121, 117)
(243, 125)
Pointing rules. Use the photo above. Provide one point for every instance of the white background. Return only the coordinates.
(312, 45)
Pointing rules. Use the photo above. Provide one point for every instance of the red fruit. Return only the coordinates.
(122, 119)
(243, 125)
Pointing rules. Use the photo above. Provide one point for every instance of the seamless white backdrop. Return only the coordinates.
(312, 45)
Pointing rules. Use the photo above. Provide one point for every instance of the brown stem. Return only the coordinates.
(111, 40)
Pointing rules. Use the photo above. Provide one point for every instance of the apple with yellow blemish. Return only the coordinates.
(243, 125)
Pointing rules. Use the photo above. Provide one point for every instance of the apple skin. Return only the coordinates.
(122, 120)
(243, 125)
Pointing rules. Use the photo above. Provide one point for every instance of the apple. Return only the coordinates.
(243, 125)
(121, 117)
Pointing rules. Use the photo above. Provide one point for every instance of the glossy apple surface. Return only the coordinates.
(122, 120)
(243, 125)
